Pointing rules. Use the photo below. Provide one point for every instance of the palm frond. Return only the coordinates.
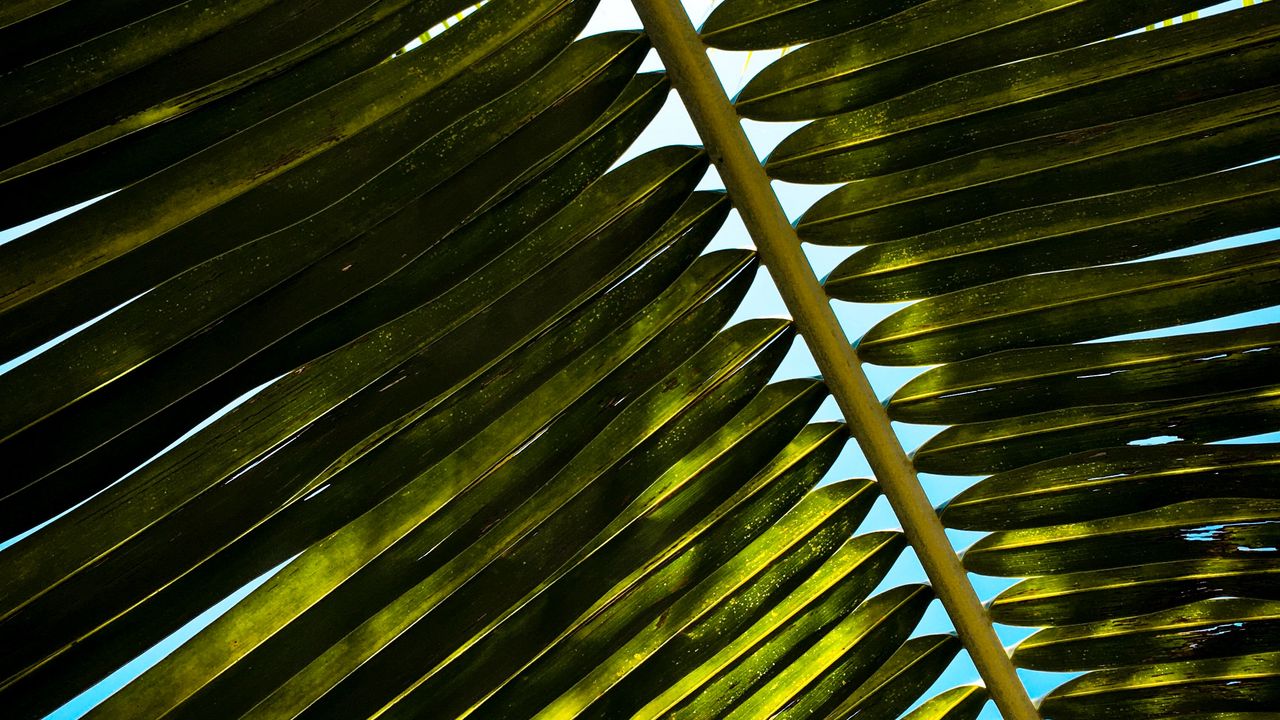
(1021, 173)
(388, 335)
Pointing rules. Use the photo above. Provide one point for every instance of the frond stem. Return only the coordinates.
(686, 61)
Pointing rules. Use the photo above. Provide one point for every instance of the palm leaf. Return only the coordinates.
(497, 411)
(389, 338)
(1002, 164)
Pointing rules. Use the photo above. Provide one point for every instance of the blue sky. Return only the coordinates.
(673, 127)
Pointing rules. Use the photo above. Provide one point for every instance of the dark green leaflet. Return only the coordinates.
(58, 77)
(763, 24)
(30, 29)
(1058, 93)
(930, 42)
(1131, 479)
(1006, 444)
(1176, 144)
(1115, 227)
(1073, 598)
(1077, 305)
(1209, 628)
(22, 9)
(1025, 382)
(1218, 527)
(1233, 687)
